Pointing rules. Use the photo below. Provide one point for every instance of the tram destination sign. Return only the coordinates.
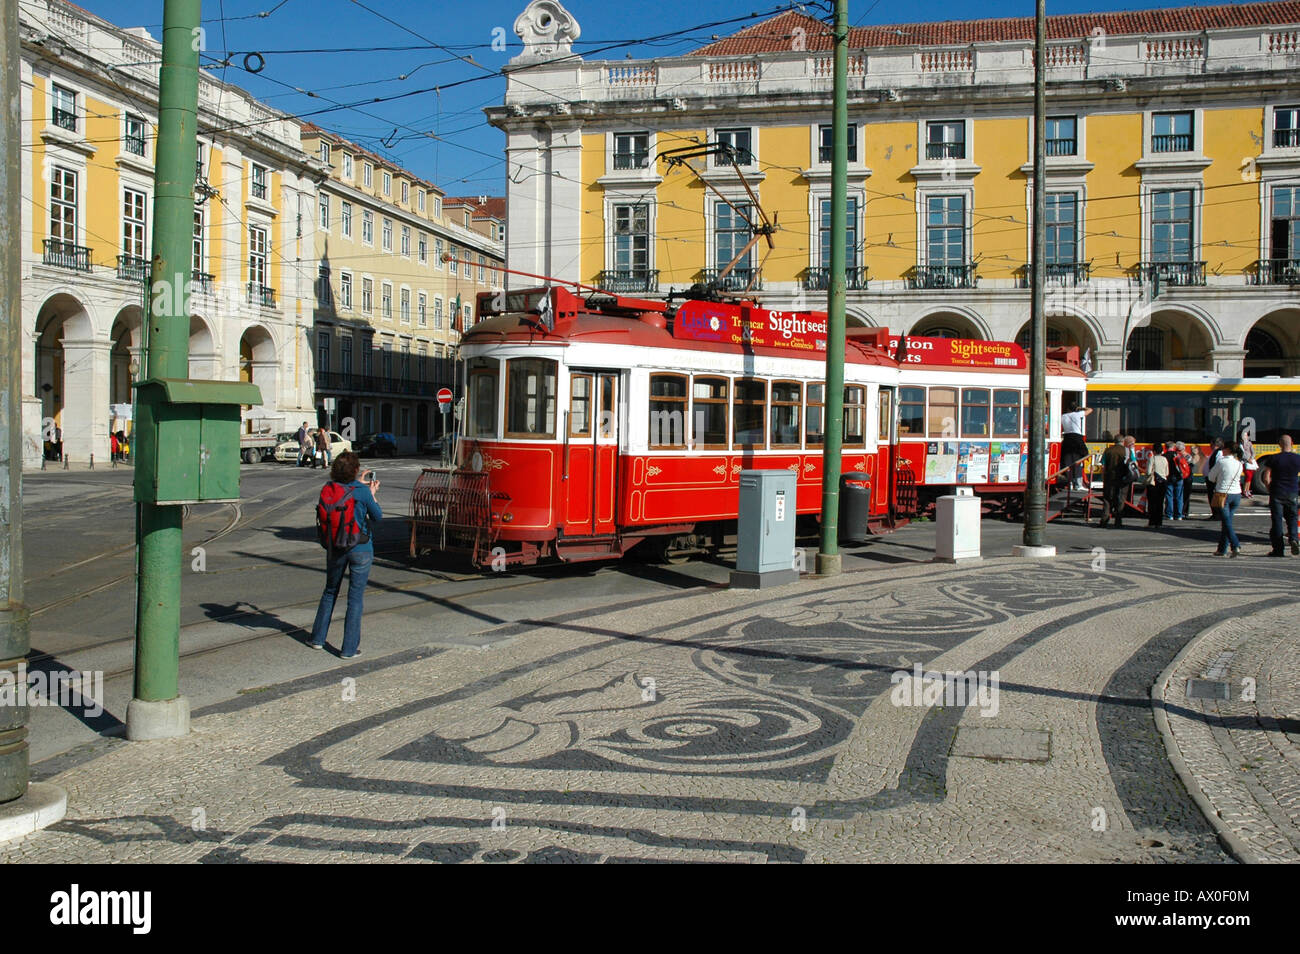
(959, 353)
(746, 325)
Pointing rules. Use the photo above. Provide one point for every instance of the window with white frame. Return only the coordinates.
(406, 192)
(406, 241)
(367, 174)
(945, 140)
(388, 182)
(259, 188)
(324, 290)
(945, 230)
(345, 355)
(347, 166)
(740, 142)
(437, 313)
(1172, 238)
(388, 234)
(422, 249)
(826, 143)
(345, 290)
(324, 152)
(323, 352)
(731, 233)
(134, 136)
(1062, 227)
(631, 150)
(419, 199)
(1172, 132)
(1062, 137)
(367, 296)
(482, 269)
(198, 257)
(850, 232)
(257, 249)
(345, 219)
(367, 227)
(437, 207)
(386, 301)
(453, 265)
(63, 110)
(468, 315)
(421, 310)
(324, 211)
(631, 240)
(1286, 127)
(404, 303)
(133, 223)
(1284, 227)
(437, 254)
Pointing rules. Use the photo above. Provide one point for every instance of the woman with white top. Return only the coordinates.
(1225, 475)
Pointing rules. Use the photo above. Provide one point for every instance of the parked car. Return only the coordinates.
(382, 444)
(287, 452)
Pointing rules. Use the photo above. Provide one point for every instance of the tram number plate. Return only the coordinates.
(780, 506)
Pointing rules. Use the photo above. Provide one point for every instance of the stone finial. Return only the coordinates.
(548, 31)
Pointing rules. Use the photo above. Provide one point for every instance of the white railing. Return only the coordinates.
(947, 61)
(732, 71)
(1284, 42)
(634, 76)
(824, 66)
(1174, 48)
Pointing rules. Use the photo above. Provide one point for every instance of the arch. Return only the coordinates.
(1063, 330)
(126, 336)
(1272, 344)
(858, 318)
(259, 363)
(951, 322)
(1174, 339)
(205, 360)
(72, 376)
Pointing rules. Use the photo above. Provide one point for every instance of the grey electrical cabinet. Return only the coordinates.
(765, 554)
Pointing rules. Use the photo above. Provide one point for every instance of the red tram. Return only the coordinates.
(590, 426)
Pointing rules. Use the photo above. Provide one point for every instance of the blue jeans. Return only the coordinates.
(1174, 500)
(357, 563)
(1283, 511)
(1227, 535)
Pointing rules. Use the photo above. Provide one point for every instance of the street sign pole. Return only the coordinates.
(158, 710)
(828, 554)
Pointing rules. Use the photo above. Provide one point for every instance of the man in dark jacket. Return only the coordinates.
(1116, 477)
(1282, 477)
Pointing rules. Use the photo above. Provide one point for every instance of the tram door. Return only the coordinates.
(591, 453)
(883, 486)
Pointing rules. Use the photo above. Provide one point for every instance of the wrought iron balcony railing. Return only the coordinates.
(261, 295)
(943, 276)
(1277, 271)
(202, 282)
(945, 150)
(1172, 142)
(64, 119)
(134, 145)
(631, 160)
(66, 255)
(131, 268)
(1173, 273)
(259, 189)
(738, 279)
(819, 279)
(1058, 273)
(630, 280)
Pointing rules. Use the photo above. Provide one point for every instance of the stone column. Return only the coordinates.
(86, 364)
(1229, 362)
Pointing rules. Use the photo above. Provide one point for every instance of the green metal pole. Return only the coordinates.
(1035, 489)
(828, 554)
(158, 710)
(14, 639)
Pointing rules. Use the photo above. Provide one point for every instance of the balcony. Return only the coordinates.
(62, 254)
(1058, 273)
(258, 190)
(1286, 138)
(945, 150)
(1061, 147)
(819, 279)
(631, 160)
(134, 144)
(202, 282)
(132, 269)
(1277, 271)
(259, 294)
(64, 119)
(738, 279)
(631, 280)
(1172, 142)
(1173, 273)
(942, 276)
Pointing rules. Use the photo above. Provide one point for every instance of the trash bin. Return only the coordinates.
(855, 505)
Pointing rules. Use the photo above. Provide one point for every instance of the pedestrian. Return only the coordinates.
(1180, 473)
(345, 514)
(1118, 466)
(1281, 475)
(112, 446)
(322, 439)
(303, 445)
(1074, 447)
(1226, 477)
(1195, 459)
(1248, 462)
(1157, 482)
(1212, 458)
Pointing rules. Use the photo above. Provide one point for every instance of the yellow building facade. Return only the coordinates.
(1173, 176)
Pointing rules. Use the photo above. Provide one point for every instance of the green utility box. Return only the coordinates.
(187, 439)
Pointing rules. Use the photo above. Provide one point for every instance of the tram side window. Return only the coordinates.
(786, 404)
(814, 427)
(667, 410)
(1024, 417)
(911, 411)
(942, 419)
(530, 398)
(886, 411)
(1006, 413)
(855, 416)
(749, 412)
(483, 400)
(580, 405)
(974, 412)
(710, 415)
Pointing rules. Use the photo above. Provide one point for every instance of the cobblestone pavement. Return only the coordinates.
(724, 725)
(1241, 755)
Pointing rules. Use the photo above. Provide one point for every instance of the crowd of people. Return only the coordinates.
(1229, 471)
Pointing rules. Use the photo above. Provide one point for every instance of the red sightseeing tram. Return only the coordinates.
(590, 426)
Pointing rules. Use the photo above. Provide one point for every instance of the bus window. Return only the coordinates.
(974, 412)
(786, 404)
(911, 411)
(814, 421)
(530, 398)
(749, 411)
(1006, 414)
(667, 410)
(482, 398)
(942, 420)
(855, 416)
(710, 412)
(580, 405)
(886, 412)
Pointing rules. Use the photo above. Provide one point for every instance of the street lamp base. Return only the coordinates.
(42, 806)
(169, 719)
(1033, 553)
(829, 564)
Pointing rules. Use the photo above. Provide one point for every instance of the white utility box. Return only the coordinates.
(957, 530)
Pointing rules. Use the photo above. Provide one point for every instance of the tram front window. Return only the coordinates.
(530, 398)
(483, 377)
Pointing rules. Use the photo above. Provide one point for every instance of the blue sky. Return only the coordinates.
(469, 158)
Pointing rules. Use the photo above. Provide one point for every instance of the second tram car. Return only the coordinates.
(592, 426)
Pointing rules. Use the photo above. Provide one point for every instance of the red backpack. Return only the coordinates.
(336, 519)
(1184, 466)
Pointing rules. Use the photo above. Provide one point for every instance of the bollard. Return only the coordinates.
(66, 461)
(92, 461)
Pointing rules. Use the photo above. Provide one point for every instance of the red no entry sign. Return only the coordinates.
(444, 396)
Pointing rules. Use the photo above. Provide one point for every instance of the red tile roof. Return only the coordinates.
(494, 207)
(777, 33)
